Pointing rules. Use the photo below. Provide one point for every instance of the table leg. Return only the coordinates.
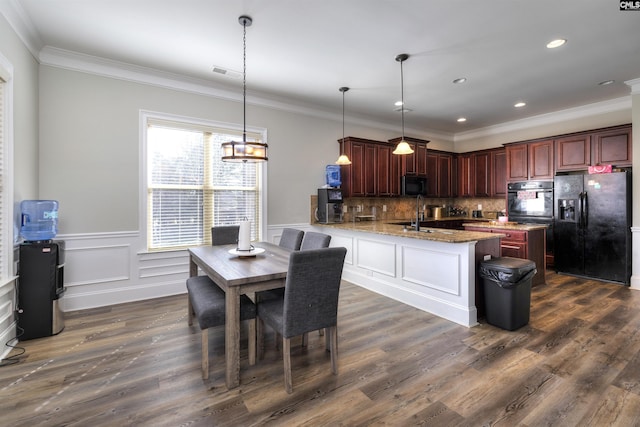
(232, 336)
(193, 267)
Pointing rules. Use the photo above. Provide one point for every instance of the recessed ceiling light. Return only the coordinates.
(606, 82)
(462, 119)
(398, 103)
(556, 43)
(519, 104)
(460, 80)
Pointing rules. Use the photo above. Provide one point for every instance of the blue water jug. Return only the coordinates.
(39, 219)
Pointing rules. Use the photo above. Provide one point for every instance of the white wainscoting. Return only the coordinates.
(7, 318)
(103, 269)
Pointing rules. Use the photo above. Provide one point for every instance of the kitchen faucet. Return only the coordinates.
(418, 211)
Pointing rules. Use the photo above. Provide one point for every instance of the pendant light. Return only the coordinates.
(343, 159)
(243, 151)
(402, 148)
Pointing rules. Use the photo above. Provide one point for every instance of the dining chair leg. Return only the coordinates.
(260, 338)
(332, 332)
(327, 341)
(252, 341)
(321, 332)
(205, 354)
(190, 311)
(286, 356)
(305, 339)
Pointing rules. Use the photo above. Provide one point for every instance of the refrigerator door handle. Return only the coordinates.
(585, 211)
(581, 206)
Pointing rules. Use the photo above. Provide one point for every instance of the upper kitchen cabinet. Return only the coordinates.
(482, 173)
(573, 152)
(530, 161)
(611, 146)
(440, 174)
(370, 172)
(499, 173)
(466, 175)
(416, 163)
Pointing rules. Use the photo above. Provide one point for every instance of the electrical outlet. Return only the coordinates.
(345, 208)
(384, 208)
(487, 257)
(359, 208)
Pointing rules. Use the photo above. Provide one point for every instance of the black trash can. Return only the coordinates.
(507, 291)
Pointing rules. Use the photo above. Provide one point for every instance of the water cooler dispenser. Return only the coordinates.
(40, 271)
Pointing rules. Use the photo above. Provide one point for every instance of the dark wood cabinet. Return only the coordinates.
(416, 163)
(612, 146)
(517, 162)
(573, 152)
(439, 168)
(499, 173)
(482, 176)
(466, 174)
(360, 178)
(530, 161)
(541, 160)
(525, 244)
(384, 171)
(482, 173)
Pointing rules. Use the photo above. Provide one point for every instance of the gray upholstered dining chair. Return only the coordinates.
(315, 240)
(291, 239)
(310, 302)
(207, 304)
(206, 301)
(224, 234)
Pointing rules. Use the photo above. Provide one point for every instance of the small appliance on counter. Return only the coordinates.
(329, 208)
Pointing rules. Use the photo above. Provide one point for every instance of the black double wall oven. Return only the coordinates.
(531, 202)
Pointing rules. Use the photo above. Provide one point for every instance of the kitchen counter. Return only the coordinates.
(433, 269)
(395, 228)
(506, 226)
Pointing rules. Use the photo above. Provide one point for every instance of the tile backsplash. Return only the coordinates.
(400, 208)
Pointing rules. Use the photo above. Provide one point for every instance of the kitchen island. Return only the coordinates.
(527, 241)
(432, 269)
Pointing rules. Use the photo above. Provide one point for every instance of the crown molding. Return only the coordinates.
(74, 61)
(635, 86)
(19, 20)
(612, 105)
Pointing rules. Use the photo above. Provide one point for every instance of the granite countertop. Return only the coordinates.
(506, 226)
(390, 228)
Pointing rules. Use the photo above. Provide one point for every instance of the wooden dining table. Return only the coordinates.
(237, 275)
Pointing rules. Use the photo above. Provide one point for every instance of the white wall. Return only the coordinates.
(24, 82)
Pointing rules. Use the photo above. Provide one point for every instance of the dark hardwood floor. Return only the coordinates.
(577, 363)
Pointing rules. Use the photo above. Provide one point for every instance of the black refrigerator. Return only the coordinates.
(592, 226)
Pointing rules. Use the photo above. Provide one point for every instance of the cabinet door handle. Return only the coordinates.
(510, 247)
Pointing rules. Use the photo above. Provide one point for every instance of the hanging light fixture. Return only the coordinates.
(243, 151)
(403, 147)
(343, 159)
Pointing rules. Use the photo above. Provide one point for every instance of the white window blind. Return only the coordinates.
(190, 189)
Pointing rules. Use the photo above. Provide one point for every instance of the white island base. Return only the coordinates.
(435, 276)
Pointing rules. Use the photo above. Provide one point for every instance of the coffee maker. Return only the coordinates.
(329, 205)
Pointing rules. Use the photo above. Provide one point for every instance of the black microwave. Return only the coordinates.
(412, 185)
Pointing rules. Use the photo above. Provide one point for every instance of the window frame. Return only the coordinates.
(149, 116)
(8, 218)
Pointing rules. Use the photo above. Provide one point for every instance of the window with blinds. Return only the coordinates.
(190, 189)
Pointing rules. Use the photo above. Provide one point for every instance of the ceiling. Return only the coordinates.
(300, 52)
